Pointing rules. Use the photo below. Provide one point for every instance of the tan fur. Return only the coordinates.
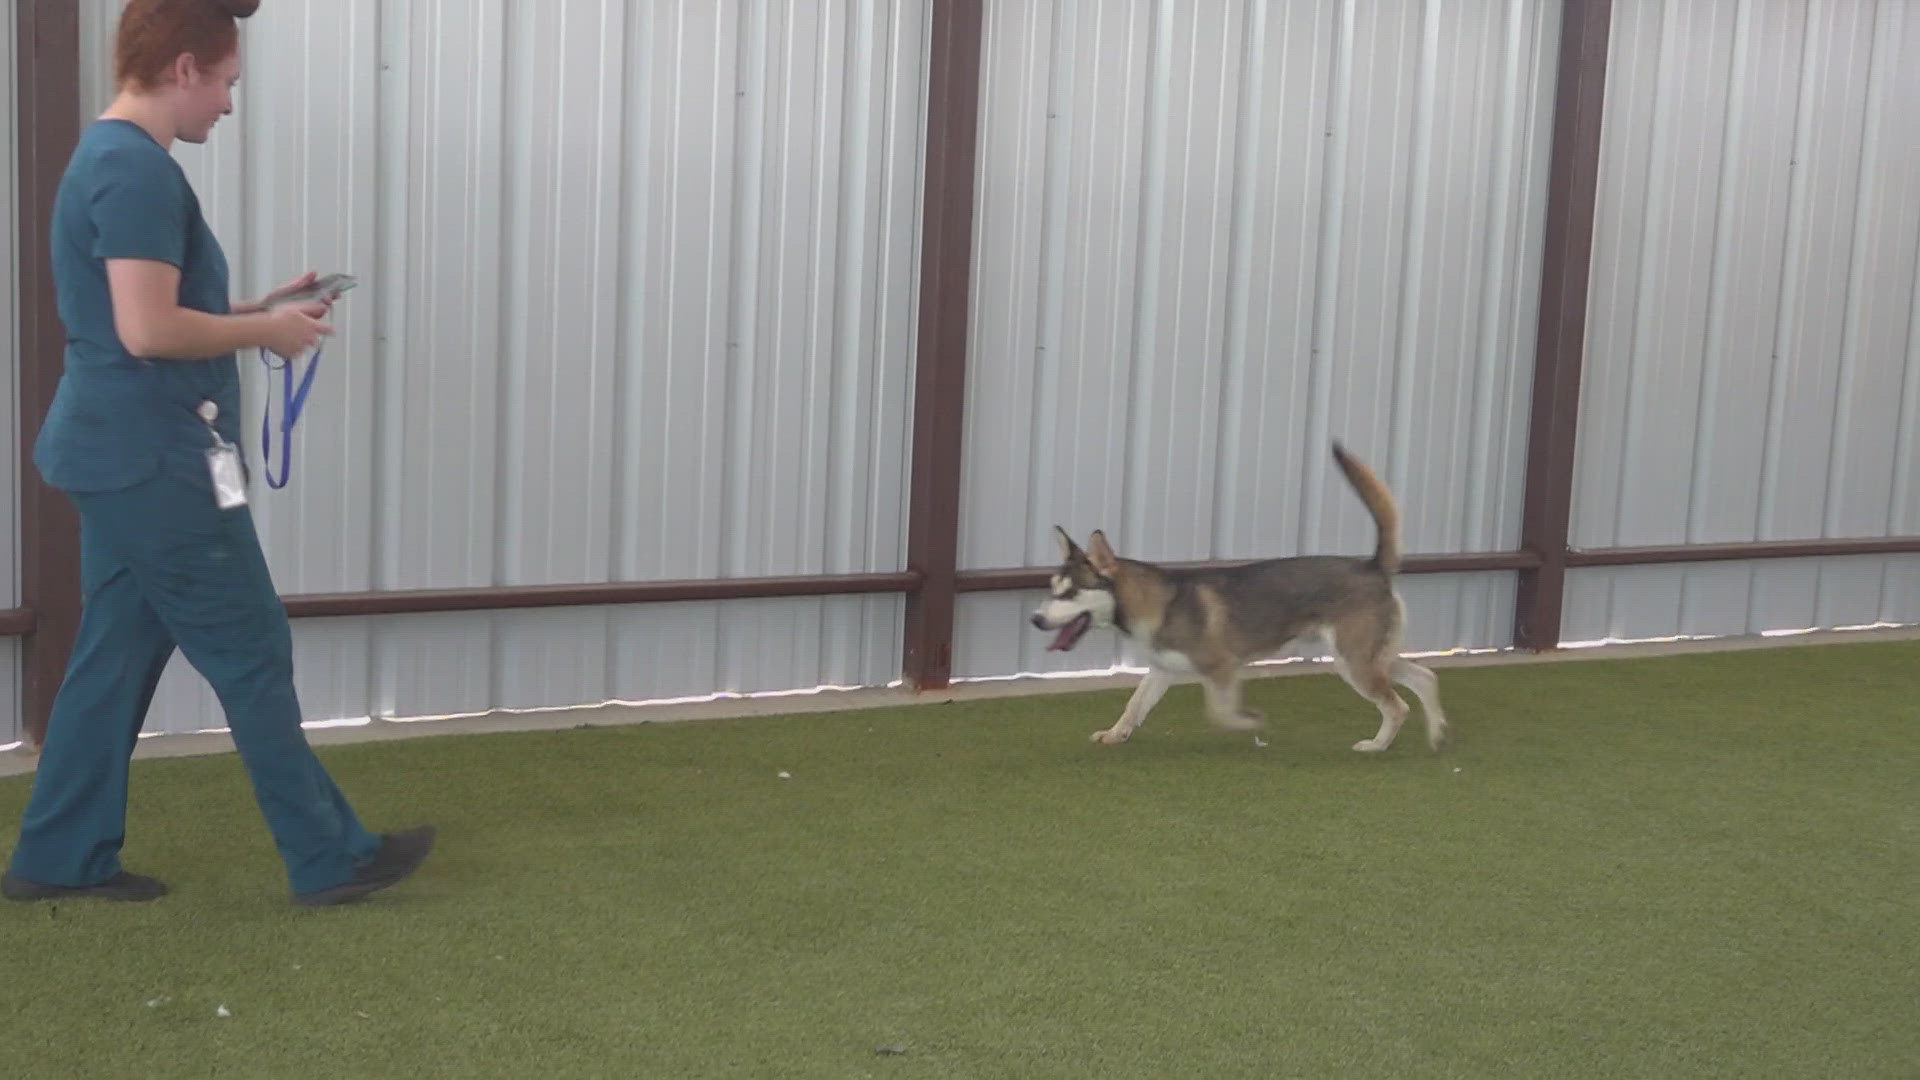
(1100, 553)
(1141, 592)
(1386, 515)
(1217, 648)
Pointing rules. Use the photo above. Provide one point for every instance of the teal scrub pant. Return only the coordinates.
(161, 567)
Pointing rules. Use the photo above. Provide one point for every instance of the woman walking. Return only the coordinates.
(143, 436)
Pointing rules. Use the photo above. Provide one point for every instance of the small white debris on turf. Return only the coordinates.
(222, 1011)
(157, 1002)
(785, 775)
(1258, 741)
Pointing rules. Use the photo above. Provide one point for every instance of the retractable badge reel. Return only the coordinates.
(292, 401)
(223, 464)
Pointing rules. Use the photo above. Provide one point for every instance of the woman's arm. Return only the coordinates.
(152, 324)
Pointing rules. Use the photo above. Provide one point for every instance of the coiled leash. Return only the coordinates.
(293, 401)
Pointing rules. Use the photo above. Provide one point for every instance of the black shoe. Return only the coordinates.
(399, 856)
(122, 886)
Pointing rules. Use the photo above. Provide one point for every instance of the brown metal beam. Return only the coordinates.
(940, 370)
(1572, 181)
(16, 622)
(421, 601)
(1036, 577)
(1758, 549)
(47, 98)
(19, 621)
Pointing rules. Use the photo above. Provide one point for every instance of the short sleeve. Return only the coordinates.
(139, 208)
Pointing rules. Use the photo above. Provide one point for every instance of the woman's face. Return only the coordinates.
(206, 95)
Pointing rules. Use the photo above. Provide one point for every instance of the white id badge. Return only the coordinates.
(229, 487)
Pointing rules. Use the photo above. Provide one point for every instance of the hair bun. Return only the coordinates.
(239, 9)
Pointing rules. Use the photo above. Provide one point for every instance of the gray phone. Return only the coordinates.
(327, 288)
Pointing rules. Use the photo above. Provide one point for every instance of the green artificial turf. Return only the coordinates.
(1702, 866)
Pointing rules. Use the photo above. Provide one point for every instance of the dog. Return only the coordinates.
(1210, 623)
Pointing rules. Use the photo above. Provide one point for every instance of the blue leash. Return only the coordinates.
(291, 403)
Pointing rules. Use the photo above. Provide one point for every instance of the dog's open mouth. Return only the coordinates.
(1071, 633)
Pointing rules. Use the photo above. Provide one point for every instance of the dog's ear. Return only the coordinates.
(1068, 549)
(1100, 553)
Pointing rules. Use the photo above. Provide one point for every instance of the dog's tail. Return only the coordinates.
(1386, 516)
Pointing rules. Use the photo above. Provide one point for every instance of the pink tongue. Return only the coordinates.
(1069, 634)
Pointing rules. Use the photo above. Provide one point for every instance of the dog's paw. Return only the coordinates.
(1440, 738)
(1113, 736)
(1370, 746)
(1244, 720)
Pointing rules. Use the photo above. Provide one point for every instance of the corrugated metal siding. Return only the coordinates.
(1211, 238)
(9, 381)
(637, 303)
(640, 284)
(1753, 360)
(98, 18)
(1741, 598)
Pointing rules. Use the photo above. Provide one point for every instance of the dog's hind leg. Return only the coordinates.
(1145, 697)
(1425, 686)
(1364, 656)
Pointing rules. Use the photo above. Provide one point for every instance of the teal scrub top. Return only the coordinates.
(118, 418)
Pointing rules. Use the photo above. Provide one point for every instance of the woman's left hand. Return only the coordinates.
(304, 281)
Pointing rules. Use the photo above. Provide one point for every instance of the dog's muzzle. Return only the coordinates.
(1070, 632)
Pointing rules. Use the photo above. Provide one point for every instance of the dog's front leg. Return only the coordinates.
(1145, 697)
(1223, 701)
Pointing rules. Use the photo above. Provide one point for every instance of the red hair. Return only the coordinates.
(154, 33)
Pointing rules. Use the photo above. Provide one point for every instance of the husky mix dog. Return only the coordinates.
(1210, 623)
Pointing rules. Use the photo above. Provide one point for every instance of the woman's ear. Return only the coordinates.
(185, 70)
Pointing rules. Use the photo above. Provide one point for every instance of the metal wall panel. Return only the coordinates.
(97, 21)
(1753, 360)
(1773, 596)
(637, 303)
(1211, 238)
(639, 287)
(9, 380)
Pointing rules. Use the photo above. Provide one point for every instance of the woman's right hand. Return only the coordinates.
(294, 329)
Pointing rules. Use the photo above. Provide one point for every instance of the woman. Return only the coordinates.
(141, 434)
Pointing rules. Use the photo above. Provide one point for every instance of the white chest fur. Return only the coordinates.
(1169, 660)
(1139, 641)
